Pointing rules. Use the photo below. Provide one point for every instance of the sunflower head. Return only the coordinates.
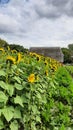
(2, 50)
(19, 57)
(38, 58)
(13, 51)
(31, 78)
(8, 48)
(46, 62)
(46, 72)
(11, 59)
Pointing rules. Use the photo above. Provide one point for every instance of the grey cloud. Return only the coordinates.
(8, 24)
(57, 2)
(8, 29)
(14, 18)
(54, 8)
(28, 20)
(48, 13)
(4, 1)
(4, 29)
(69, 9)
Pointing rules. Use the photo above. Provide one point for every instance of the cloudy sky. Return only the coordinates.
(37, 22)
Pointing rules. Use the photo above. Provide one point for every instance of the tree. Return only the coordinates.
(18, 48)
(67, 55)
(3, 43)
(70, 46)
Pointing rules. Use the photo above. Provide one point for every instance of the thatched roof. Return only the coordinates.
(53, 52)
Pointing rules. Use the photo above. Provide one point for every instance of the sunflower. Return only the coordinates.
(31, 78)
(13, 51)
(38, 57)
(11, 59)
(8, 48)
(46, 62)
(46, 72)
(19, 58)
(2, 49)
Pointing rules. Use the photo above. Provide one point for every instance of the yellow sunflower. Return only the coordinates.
(38, 57)
(2, 49)
(13, 51)
(8, 48)
(31, 78)
(46, 62)
(46, 72)
(11, 59)
(19, 57)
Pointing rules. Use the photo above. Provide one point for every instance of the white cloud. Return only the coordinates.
(37, 23)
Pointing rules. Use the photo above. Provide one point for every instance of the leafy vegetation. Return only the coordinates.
(67, 55)
(36, 92)
(70, 69)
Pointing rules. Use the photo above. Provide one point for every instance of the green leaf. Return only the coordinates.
(17, 113)
(17, 79)
(38, 95)
(71, 88)
(24, 99)
(2, 84)
(62, 127)
(0, 111)
(52, 85)
(3, 97)
(61, 106)
(1, 125)
(2, 73)
(14, 67)
(34, 109)
(14, 125)
(10, 89)
(8, 113)
(38, 119)
(40, 89)
(18, 86)
(18, 100)
(26, 118)
(33, 125)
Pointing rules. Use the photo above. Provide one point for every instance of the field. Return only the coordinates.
(36, 92)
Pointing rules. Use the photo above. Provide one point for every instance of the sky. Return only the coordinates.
(30, 23)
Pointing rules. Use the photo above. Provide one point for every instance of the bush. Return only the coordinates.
(57, 114)
(67, 55)
(63, 77)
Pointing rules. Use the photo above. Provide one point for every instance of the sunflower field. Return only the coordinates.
(36, 92)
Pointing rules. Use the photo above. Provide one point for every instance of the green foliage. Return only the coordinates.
(65, 83)
(67, 55)
(70, 46)
(44, 104)
(63, 77)
(22, 102)
(57, 112)
(18, 48)
(3, 43)
(8, 112)
(70, 69)
(14, 125)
